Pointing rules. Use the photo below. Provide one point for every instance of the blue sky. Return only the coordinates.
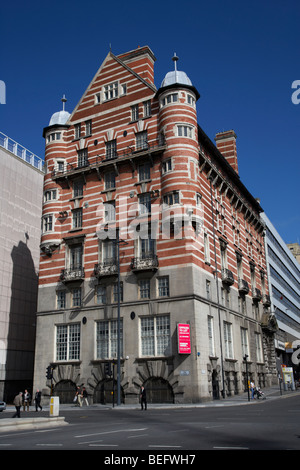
(241, 56)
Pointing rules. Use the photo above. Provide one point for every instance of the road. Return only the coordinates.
(264, 425)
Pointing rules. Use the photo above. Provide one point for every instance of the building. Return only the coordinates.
(148, 231)
(21, 189)
(284, 286)
(295, 250)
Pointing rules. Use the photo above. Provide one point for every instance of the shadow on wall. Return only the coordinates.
(22, 323)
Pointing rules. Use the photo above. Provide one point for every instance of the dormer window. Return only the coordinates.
(111, 91)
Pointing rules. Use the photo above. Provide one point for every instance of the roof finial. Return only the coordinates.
(175, 58)
(64, 99)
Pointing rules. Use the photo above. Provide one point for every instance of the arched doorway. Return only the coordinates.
(65, 390)
(158, 390)
(106, 391)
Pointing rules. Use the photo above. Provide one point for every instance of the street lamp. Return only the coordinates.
(245, 359)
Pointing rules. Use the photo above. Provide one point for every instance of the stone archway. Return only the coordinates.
(65, 390)
(158, 390)
(105, 392)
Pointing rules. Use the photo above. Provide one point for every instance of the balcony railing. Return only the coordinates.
(243, 286)
(227, 276)
(109, 267)
(96, 162)
(72, 274)
(21, 152)
(256, 294)
(145, 263)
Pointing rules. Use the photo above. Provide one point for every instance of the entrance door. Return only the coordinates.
(65, 390)
(106, 391)
(215, 385)
(159, 391)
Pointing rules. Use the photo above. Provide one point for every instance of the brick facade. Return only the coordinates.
(133, 157)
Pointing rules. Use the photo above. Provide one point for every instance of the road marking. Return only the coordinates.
(112, 432)
(164, 447)
(232, 447)
(49, 445)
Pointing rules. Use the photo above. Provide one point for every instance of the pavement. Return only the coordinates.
(34, 420)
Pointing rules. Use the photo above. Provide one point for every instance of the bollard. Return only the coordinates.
(54, 406)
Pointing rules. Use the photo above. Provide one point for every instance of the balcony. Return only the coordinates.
(109, 267)
(227, 276)
(145, 263)
(256, 294)
(266, 300)
(73, 274)
(101, 161)
(243, 286)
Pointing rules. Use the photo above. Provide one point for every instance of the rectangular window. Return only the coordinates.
(184, 131)
(61, 299)
(110, 91)
(109, 211)
(68, 342)
(210, 322)
(107, 339)
(101, 294)
(77, 218)
(110, 180)
(115, 292)
(228, 340)
(47, 223)
(77, 130)
(76, 297)
(135, 112)
(75, 257)
(50, 195)
(82, 158)
(145, 204)
(166, 165)
(244, 340)
(111, 149)
(163, 286)
(258, 348)
(155, 336)
(88, 128)
(206, 248)
(147, 108)
(171, 198)
(141, 140)
(144, 287)
(144, 171)
(78, 188)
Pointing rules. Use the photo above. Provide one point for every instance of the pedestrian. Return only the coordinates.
(143, 398)
(18, 403)
(78, 395)
(37, 399)
(84, 396)
(26, 400)
(252, 388)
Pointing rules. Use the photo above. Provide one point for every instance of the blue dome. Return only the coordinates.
(61, 117)
(176, 76)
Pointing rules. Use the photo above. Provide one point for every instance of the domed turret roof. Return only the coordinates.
(60, 117)
(176, 76)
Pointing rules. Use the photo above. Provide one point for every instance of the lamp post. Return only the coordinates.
(245, 359)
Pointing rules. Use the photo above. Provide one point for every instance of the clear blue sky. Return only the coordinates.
(241, 56)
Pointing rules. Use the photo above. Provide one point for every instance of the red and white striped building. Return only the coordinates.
(132, 158)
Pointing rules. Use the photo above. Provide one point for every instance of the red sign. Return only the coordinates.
(184, 339)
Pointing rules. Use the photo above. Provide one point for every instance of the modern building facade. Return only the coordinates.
(295, 250)
(21, 189)
(152, 250)
(284, 286)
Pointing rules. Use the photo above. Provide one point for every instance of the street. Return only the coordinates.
(263, 425)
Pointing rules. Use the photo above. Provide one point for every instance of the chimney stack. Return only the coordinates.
(226, 144)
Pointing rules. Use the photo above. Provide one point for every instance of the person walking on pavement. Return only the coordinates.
(37, 400)
(84, 396)
(78, 395)
(252, 388)
(26, 400)
(18, 403)
(143, 398)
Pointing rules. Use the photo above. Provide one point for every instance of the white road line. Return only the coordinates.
(165, 447)
(111, 432)
(234, 448)
(49, 445)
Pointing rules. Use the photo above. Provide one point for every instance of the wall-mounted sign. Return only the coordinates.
(184, 338)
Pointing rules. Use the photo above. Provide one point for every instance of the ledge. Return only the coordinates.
(18, 424)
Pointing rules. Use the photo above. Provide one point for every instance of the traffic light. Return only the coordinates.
(107, 368)
(49, 372)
